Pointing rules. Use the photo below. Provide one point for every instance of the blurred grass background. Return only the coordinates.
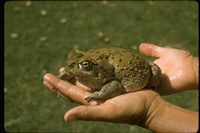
(39, 35)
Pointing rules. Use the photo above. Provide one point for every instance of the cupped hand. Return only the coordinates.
(131, 108)
(179, 68)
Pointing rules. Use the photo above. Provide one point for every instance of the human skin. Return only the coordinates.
(179, 68)
(146, 107)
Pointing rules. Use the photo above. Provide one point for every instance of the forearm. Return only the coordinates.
(166, 117)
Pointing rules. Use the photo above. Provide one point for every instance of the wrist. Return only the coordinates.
(154, 113)
(165, 117)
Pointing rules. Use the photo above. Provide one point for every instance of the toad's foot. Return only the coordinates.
(109, 90)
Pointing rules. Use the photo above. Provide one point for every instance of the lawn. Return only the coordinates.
(39, 35)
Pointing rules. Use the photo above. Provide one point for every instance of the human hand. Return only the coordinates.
(144, 108)
(131, 108)
(179, 68)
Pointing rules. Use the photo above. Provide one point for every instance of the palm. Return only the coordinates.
(127, 108)
(130, 107)
(176, 66)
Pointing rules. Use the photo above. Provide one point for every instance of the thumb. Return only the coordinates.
(151, 50)
(87, 113)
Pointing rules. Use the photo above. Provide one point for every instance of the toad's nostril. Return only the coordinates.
(71, 63)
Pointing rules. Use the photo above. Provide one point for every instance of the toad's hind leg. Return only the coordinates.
(109, 90)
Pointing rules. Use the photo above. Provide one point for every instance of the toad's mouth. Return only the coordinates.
(65, 75)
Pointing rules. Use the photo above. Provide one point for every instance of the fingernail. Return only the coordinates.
(71, 118)
(46, 77)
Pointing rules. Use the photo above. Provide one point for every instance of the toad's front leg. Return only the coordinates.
(109, 90)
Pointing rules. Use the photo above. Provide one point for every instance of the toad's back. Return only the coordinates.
(131, 70)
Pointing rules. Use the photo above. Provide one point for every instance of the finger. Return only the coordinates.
(82, 86)
(69, 90)
(61, 69)
(48, 86)
(54, 90)
(151, 50)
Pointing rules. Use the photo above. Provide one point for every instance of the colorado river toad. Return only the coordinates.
(111, 71)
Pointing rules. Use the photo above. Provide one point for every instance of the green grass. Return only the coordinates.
(29, 106)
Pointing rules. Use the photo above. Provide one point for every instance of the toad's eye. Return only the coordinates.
(85, 65)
